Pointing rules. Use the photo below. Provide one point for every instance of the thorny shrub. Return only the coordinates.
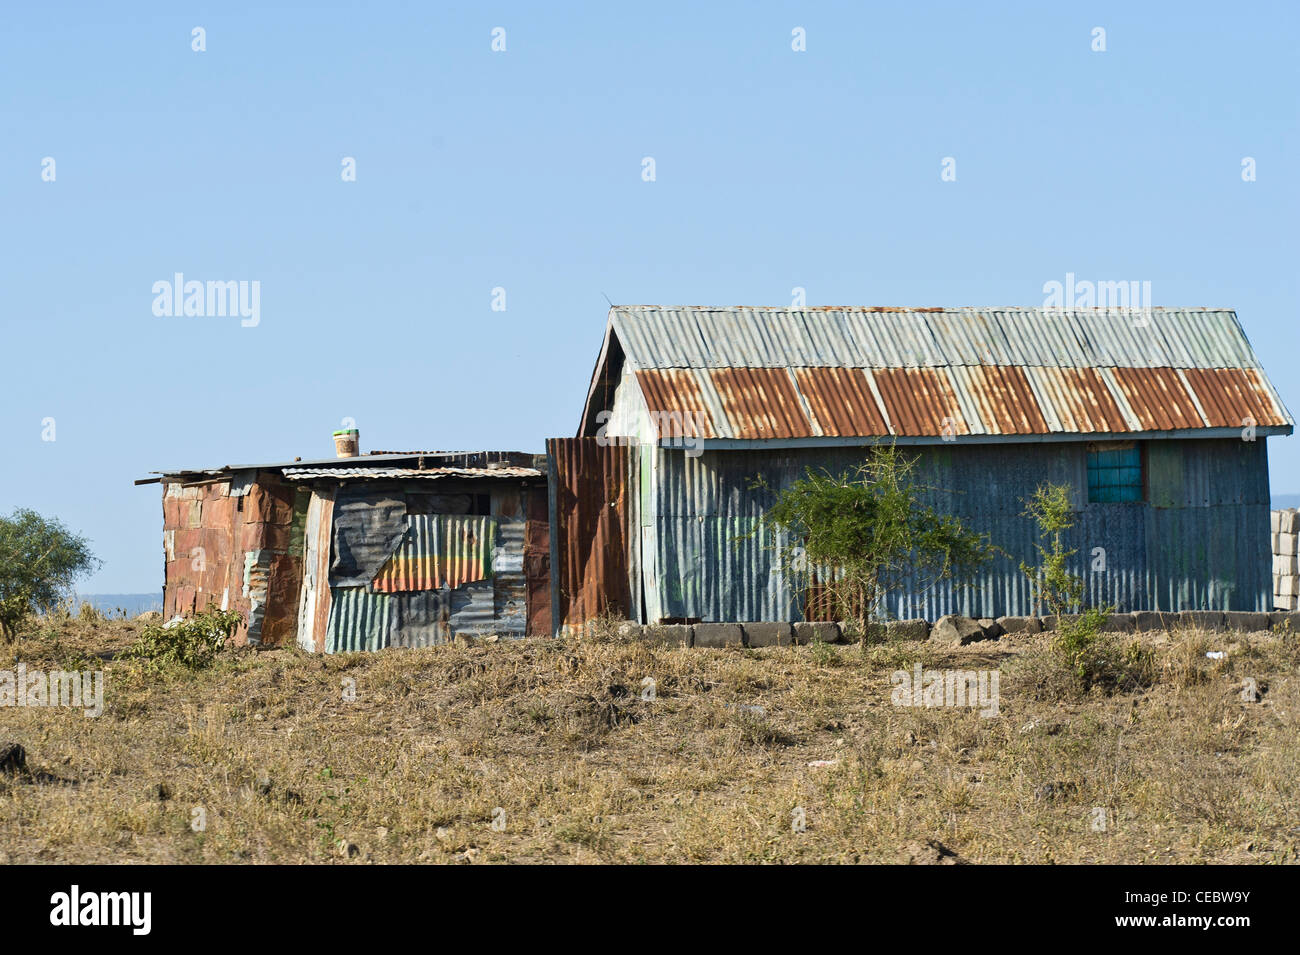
(192, 643)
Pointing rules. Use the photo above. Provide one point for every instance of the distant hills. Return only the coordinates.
(1285, 500)
(132, 604)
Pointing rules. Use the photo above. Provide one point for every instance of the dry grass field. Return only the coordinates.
(553, 741)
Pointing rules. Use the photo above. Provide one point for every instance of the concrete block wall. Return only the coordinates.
(1286, 559)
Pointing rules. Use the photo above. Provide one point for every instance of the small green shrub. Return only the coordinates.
(192, 643)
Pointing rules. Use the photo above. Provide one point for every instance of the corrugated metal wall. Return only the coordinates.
(591, 506)
(448, 573)
(1205, 546)
(237, 544)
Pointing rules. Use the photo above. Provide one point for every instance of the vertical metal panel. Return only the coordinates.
(358, 620)
(537, 563)
(592, 484)
(313, 609)
(715, 560)
(1210, 558)
(442, 551)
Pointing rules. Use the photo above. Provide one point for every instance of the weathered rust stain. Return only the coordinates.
(841, 401)
(592, 487)
(675, 391)
(919, 401)
(1232, 396)
(1158, 398)
(1080, 400)
(210, 535)
(537, 564)
(761, 403)
(1005, 402)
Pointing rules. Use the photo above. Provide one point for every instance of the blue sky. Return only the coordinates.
(522, 170)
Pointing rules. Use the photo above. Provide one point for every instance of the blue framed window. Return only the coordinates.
(1114, 473)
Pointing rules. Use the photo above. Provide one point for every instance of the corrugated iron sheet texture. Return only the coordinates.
(440, 551)
(1158, 399)
(716, 561)
(991, 371)
(1004, 402)
(747, 337)
(761, 403)
(313, 610)
(841, 401)
(358, 620)
(920, 401)
(1076, 400)
(238, 553)
(537, 562)
(432, 473)
(676, 394)
(1230, 396)
(591, 487)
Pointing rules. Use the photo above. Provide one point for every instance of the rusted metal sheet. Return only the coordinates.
(1012, 371)
(439, 551)
(431, 473)
(1076, 400)
(841, 401)
(1002, 399)
(1158, 399)
(1232, 396)
(236, 553)
(537, 563)
(761, 403)
(673, 396)
(659, 336)
(200, 536)
(920, 401)
(591, 489)
(313, 610)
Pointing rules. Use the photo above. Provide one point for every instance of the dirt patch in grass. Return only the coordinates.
(565, 751)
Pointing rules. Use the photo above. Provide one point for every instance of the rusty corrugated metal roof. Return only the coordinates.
(674, 391)
(1158, 399)
(761, 403)
(787, 373)
(655, 336)
(1076, 400)
(375, 474)
(1230, 396)
(841, 401)
(1003, 401)
(920, 401)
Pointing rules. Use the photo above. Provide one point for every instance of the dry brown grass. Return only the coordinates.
(555, 734)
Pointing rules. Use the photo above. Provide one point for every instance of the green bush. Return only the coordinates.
(39, 561)
(192, 643)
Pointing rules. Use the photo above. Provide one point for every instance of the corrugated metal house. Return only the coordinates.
(1155, 418)
(363, 552)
